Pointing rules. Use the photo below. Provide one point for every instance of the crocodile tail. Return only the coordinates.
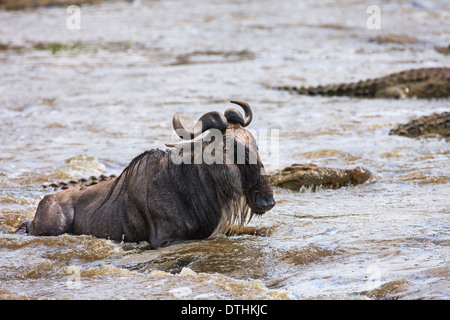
(300, 90)
(83, 182)
(311, 91)
(365, 88)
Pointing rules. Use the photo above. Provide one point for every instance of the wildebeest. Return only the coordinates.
(157, 200)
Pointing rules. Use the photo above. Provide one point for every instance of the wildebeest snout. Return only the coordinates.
(260, 198)
(264, 203)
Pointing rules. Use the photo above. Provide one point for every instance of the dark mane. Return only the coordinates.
(124, 178)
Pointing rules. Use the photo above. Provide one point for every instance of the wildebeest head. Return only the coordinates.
(237, 148)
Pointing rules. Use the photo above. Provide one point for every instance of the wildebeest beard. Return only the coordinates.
(162, 202)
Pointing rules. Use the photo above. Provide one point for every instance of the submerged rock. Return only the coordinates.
(443, 49)
(33, 4)
(394, 38)
(311, 176)
(434, 125)
(423, 83)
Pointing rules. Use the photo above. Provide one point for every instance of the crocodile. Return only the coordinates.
(423, 83)
(434, 125)
(310, 176)
(294, 177)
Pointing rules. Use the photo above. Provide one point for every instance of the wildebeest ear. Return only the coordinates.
(234, 116)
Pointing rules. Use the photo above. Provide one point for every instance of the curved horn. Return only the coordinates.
(247, 110)
(207, 121)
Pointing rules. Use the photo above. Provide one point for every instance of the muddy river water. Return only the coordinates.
(81, 102)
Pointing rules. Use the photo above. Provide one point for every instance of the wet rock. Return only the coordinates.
(266, 231)
(394, 38)
(33, 4)
(311, 176)
(393, 290)
(423, 83)
(443, 49)
(212, 57)
(73, 46)
(434, 125)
